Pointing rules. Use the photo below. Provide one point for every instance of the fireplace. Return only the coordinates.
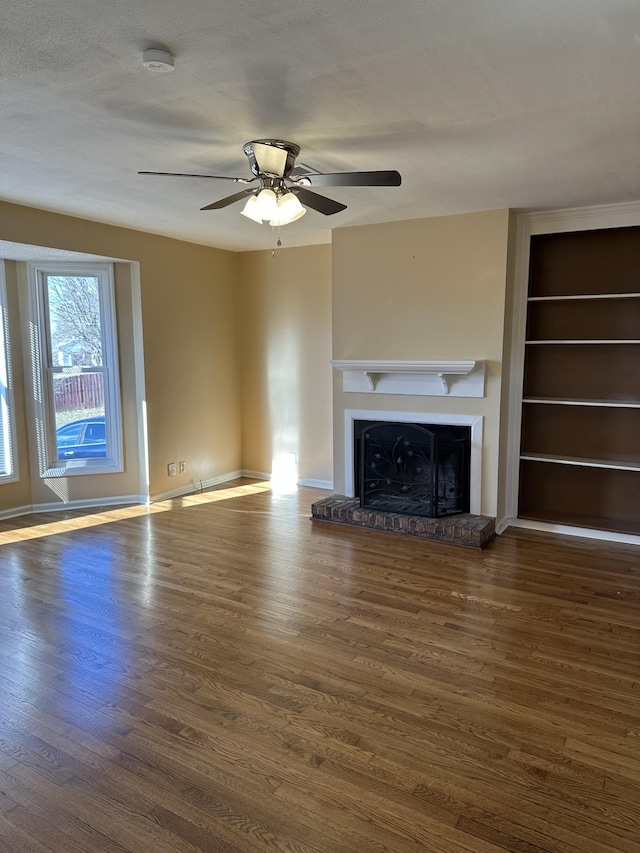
(412, 468)
(428, 420)
(467, 527)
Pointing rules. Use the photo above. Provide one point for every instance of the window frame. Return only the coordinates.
(44, 371)
(8, 455)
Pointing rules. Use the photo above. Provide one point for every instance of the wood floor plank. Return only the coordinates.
(217, 673)
(13, 839)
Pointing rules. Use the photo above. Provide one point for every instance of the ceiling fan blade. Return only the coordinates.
(230, 199)
(353, 179)
(318, 202)
(301, 170)
(186, 175)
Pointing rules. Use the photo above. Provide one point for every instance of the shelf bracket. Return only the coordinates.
(445, 383)
(371, 378)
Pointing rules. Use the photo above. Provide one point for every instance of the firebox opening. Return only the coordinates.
(411, 468)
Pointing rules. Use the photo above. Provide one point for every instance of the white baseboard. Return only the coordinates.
(91, 503)
(195, 486)
(178, 492)
(15, 512)
(254, 475)
(502, 525)
(61, 506)
(567, 530)
(303, 481)
(316, 484)
(222, 478)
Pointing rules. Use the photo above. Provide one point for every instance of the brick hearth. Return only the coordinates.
(474, 531)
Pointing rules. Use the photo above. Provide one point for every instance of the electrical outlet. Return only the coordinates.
(171, 469)
(182, 467)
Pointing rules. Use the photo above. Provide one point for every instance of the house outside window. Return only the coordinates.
(7, 424)
(75, 365)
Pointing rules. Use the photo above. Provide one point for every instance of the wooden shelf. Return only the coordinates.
(589, 320)
(580, 401)
(586, 296)
(590, 522)
(582, 461)
(579, 263)
(582, 341)
(610, 495)
(597, 436)
(603, 372)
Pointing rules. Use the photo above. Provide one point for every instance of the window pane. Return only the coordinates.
(75, 376)
(74, 320)
(78, 400)
(6, 460)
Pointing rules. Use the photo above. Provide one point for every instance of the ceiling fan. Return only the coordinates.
(282, 185)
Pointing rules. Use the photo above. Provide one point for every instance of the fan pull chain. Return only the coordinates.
(278, 243)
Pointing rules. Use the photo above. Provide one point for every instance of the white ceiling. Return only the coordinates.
(479, 104)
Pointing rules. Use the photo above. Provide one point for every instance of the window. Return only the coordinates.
(7, 428)
(76, 391)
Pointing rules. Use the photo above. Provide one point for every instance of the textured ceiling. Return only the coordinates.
(479, 104)
(22, 252)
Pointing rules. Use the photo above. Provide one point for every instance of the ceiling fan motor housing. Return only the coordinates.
(272, 158)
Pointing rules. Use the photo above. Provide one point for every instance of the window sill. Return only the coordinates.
(79, 467)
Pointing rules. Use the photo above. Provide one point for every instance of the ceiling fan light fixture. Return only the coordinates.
(250, 211)
(288, 210)
(266, 204)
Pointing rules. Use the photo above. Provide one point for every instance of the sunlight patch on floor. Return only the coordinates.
(66, 525)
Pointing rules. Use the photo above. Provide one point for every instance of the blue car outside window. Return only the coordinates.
(94, 432)
(69, 434)
(82, 439)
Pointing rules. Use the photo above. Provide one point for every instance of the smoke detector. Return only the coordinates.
(158, 60)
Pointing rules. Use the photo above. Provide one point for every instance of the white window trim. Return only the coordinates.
(7, 407)
(48, 464)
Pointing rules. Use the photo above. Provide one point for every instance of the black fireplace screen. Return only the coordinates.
(412, 468)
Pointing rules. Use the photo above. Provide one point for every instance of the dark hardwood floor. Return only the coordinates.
(217, 673)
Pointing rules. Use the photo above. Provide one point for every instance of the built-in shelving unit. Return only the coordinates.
(580, 435)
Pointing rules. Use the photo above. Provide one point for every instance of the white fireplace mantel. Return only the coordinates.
(425, 378)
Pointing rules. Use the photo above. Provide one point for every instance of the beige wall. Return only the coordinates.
(285, 349)
(189, 313)
(423, 289)
(17, 494)
(189, 319)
